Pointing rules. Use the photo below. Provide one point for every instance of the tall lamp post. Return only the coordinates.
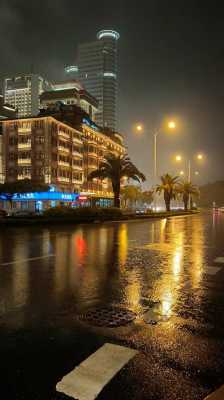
(199, 157)
(156, 132)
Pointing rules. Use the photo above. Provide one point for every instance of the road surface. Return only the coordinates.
(165, 276)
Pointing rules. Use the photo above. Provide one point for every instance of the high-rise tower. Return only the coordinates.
(98, 72)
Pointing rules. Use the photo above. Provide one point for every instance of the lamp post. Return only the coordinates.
(199, 157)
(171, 125)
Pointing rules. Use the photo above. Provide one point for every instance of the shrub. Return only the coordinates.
(83, 213)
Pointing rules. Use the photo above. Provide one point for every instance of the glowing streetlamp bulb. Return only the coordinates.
(196, 173)
(171, 125)
(178, 158)
(139, 128)
(199, 156)
(182, 173)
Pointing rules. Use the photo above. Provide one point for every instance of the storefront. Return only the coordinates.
(38, 201)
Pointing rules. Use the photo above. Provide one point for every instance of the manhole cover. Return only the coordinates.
(108, 317)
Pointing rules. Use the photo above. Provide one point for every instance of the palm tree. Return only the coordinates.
(115, 168)
(130, 195)
(187, 189)
(169, 188)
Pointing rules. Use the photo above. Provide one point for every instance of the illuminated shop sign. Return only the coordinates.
(89, 123)
(36, 196)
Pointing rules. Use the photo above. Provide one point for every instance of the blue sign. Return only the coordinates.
(89, 123)
(37, 196)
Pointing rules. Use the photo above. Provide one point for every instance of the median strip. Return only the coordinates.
(87, 380)
(27, 259)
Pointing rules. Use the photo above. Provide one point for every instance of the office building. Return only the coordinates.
(47, 148)
(98, 72)
(22, 92)
(70, 92)
(6, 110)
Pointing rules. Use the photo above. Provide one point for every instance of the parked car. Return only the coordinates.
(3, 213)
(23, 213)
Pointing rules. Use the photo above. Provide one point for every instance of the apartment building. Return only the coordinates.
(68, 93)
(22, 92)
(47, 149)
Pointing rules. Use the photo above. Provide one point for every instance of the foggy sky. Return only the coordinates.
(171, 63)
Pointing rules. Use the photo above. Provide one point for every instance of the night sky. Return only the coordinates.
(171, 64)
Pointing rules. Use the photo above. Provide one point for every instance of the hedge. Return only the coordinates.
(83, 213)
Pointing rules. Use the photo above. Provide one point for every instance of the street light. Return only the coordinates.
(199, 157)
(181, 173)
(139, 128)
(172, 125)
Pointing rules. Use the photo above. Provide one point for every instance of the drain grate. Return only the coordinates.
(110, 317)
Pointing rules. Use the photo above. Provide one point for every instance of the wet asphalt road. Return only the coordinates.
(49, 276)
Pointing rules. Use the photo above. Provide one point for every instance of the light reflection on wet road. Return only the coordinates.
(126, 264)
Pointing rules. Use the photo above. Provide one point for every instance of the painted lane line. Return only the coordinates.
(27, 259)
(217, 395)
(87, 380)
(219, 260)
(211, 270)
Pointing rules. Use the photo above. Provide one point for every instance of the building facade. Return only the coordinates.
(6, 110)
(22, 92)
(48, 150)
(98, 72)
(70, 92)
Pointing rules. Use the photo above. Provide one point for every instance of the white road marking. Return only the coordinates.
(87, 380)
(28, 259)
(211, 270)
(217, 395)
(219, 260)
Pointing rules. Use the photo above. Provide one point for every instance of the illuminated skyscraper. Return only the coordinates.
(98, 72)
(23, 91)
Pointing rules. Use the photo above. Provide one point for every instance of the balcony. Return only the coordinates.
(22, 146)
(63, 134)
(64, 163)
(77, 181)
(24, 130)
(92, 141)
(92, 153)
(78, 167)
(77, 140)
(64, 149)
(24, 161)
(77, 154)
(25, 176)
(63, 179)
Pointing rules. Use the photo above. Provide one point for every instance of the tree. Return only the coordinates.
(21, 186)
(169, 188)
(115, 168)
(186, 189)
(147, 197)
(131, 194)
